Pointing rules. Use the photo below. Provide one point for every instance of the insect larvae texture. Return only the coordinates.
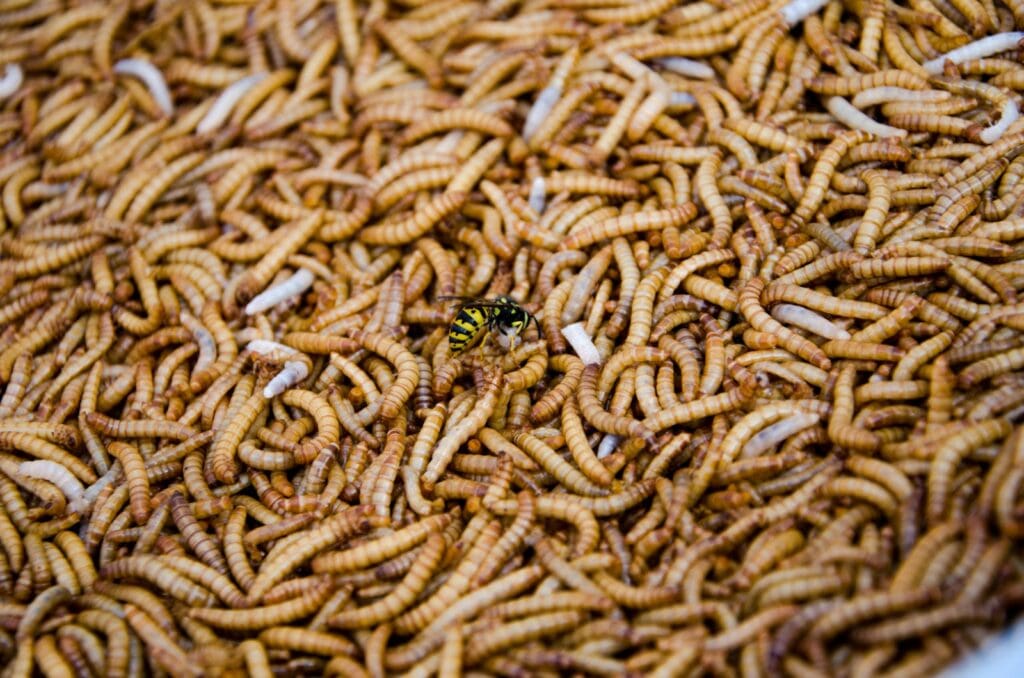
(518, 338)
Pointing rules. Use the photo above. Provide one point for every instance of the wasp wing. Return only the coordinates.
(471, 301)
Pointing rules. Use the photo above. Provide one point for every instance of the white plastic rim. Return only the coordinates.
(1001, 657)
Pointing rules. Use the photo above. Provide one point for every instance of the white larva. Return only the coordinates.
(93, 491)
(226, 102)
(13, 78)
(60, 476)
(294, 371)
(540, 110)
(295, 285)
(151, 76)
(808, 320)
(852, 117)
(772, 435)
(681, 99)
(107, 478)
(449, 142)
(607, 445)
(687, 67)
(882, 95)
(583, 289)
(538, 195)
(267, 347)
(1009, 115)
(582, 344)
(979, 49)
(798, 10)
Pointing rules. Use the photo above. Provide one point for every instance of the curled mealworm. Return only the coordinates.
(819, 380)
(154, 80)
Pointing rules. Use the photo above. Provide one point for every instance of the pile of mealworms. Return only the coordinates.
(767, 422)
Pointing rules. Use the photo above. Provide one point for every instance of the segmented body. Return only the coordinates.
(476, 317)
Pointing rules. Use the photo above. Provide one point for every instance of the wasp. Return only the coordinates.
(475, 317)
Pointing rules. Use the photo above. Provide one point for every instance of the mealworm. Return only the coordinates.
(262, 617)
(332, 530)
(681, 172)
(946, 460)
(402, 596)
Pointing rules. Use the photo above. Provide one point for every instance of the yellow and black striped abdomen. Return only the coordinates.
(469, 325)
